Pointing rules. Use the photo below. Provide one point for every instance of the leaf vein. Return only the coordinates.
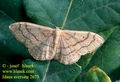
(91, 11)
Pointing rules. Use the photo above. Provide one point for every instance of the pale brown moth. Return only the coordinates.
(46, 43)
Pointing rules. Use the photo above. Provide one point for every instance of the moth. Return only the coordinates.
(45, 43)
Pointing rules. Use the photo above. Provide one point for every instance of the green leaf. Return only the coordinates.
(115, 74)
(95, 74)
(7, 40)
(13, 8)
(52, 71)
(74, 14)
(84, 61)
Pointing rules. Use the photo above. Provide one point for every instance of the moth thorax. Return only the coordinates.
(57, 31)
(57, 35)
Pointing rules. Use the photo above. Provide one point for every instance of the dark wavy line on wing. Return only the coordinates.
(89, 43)
(81, 47)
(19, 28)
(78, 41)
(30, 32)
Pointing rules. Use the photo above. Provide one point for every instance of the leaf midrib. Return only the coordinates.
(6, 15)
(67, 13)
(44, 77)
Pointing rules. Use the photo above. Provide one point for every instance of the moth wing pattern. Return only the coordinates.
(74, 44)
(43, 42)
(38, 39)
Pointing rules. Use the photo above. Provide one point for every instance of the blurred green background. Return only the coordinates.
(100, 16)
